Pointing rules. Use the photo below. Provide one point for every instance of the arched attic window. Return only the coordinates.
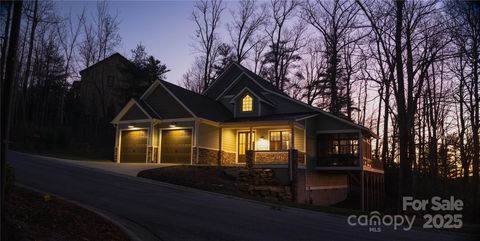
(247, 103)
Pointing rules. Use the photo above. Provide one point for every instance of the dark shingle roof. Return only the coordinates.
(147, 108)
(202, 106)
(275, 117)
(263, 82)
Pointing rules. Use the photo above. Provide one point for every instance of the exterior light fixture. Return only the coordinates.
(173, 125)
(262, 144)
(131, 126)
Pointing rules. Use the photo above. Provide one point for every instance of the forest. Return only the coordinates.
(408, 70)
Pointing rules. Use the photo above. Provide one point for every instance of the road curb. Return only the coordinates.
(131, 235)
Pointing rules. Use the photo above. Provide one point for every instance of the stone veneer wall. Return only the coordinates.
(115, 154)
(271, 157)
(210, 157)
(276, 157)
(206, 156)
(228, 158)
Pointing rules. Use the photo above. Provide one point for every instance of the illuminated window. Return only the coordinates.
(247, 103)
(279, 140)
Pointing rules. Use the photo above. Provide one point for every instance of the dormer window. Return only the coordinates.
(247, 103)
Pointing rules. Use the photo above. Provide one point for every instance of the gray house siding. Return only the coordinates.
(134, 113)
(165, 105)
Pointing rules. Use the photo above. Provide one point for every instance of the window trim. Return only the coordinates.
(244, 105)
(281, 139)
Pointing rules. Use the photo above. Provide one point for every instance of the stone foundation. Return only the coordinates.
(206, 156)
(115, 154)
(271, 157)
(228, 158)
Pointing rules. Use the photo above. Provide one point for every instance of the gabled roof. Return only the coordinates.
(260, 96)
(115, 55)
(269, 87)
(199, 105)
(257, 79)
(146, 110)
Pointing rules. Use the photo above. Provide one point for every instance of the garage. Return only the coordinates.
(133, 147)
(176, 146)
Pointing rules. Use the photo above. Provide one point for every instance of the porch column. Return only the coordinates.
(360, 149)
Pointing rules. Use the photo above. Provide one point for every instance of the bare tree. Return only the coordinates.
(335, 21)
(206, 15)
(246, 23)
(286, 39)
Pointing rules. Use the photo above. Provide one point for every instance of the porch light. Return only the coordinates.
(262, 144)
(131, 126)
(173, 125)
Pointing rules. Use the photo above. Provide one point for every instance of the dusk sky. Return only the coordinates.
(164, 27)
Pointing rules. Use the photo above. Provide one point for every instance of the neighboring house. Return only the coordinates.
(240, 111)
(99, 87)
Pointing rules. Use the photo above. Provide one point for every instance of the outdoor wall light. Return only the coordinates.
(173, 125)
(262, 144)
(131, 126)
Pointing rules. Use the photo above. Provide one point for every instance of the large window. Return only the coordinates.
(338, 149)
(279, 140)
(247, 103)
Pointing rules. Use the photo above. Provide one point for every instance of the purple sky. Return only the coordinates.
(164, 27)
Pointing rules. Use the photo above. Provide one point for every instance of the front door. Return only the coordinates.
(244, 145)
(176, 146)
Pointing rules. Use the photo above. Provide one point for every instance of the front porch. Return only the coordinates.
(270, 143)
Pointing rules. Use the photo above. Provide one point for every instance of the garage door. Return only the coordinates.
(134, 146)
(176, 146)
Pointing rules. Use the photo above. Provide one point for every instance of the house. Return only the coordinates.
(99, 84)
(243, 118)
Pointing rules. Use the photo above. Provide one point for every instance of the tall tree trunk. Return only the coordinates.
(5, 39)
(403, 126)
(26, 76)
(6, 94)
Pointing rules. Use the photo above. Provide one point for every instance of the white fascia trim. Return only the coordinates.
(150, 89)
(135, 121)
(125, 110)
(229, 86)
(251, 92)
(307, 117)
(178, 120)
(209, 122)
(221, 75)
(178, 100)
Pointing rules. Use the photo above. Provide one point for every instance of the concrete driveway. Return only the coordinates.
(157, 211)
(129, 169)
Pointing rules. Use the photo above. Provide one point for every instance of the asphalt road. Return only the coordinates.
(157, 211)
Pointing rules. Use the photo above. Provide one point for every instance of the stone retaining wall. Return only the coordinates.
(260, 183)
